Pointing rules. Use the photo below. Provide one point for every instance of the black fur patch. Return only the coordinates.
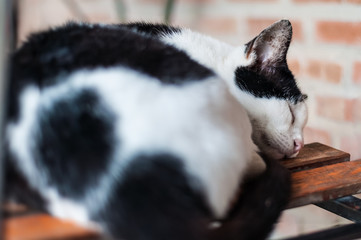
(155, 201)
(75, 142)
(153, 29)
(72, 47)
(276, 82)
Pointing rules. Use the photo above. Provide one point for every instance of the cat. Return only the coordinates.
(119, 128)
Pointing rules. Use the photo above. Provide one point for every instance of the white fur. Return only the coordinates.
(65, 208)
(212, 53)
(202, 123)
(20, 134)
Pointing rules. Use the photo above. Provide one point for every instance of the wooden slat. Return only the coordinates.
(325, 183)
(315, 155)
(44, 227)
(11, 209)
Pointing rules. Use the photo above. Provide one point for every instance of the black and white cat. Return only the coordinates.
(145, 131)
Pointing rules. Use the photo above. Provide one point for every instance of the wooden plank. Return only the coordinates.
(13, 210)
(325, 183)
(44, 227)
(315, 155)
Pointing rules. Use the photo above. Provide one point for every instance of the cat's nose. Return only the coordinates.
(298, 144)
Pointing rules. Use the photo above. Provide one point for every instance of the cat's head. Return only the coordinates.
(268, 90)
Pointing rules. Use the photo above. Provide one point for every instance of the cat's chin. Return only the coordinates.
(276, 154)
(272, 153)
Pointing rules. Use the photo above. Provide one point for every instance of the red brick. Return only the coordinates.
(314, 68)
(256, 25)
(218, 25)
(339, 32)
(353, 110)
(354, 1)
(357, 72)
(332, 107)
(297, 30)
(333, 72)
(349, 109)
(294, 66)
(326, 71)
(316, 135)
(351, 144)
(356, 111)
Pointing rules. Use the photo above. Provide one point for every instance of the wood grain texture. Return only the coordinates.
(325, 183)
(315, 155)
(44, 227)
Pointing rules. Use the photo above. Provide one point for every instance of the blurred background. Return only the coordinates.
(325, 57)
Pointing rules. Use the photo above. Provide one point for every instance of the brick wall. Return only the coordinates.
(325, 53)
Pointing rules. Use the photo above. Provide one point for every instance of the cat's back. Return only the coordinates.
(75, 46)
(78, 45)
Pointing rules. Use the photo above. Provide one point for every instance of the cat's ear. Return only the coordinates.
(269, 48)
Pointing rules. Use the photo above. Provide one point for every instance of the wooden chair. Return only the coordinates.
(321, 175)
